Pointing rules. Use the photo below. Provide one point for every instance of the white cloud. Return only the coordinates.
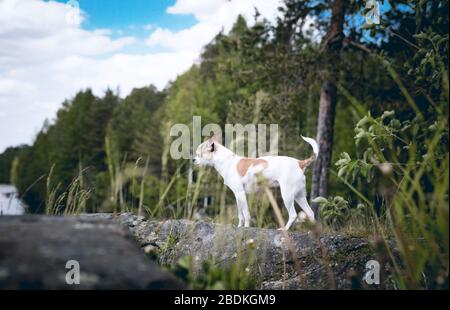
(225, 12)
(45, 59)
(149, 26)
(212, 16)
(192, 39)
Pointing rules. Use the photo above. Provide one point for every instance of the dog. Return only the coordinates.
(240, 175)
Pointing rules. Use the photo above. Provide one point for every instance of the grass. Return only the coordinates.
(72, 200)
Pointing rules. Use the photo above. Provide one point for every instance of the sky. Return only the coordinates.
(49, 50)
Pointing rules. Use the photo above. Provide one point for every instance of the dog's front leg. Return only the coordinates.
(244, 214)
(240, 215)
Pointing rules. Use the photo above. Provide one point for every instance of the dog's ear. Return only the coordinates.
(212, 140)
(211, 144)
(216, 137)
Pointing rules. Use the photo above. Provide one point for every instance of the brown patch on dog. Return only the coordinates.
(245, 163)
(304, 163)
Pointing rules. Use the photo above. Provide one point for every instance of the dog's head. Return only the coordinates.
(205, 152)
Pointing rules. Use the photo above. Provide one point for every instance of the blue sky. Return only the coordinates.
(131, 16)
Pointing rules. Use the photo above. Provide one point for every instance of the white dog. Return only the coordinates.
(240, 175)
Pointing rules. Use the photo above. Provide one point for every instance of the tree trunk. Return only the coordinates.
(328, 97)
(325, 126)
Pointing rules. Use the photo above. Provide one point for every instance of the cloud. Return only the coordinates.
(213, 16)
(149, 26)
(46, 56)
(192, 39)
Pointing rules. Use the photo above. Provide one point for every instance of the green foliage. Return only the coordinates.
(212, 277)
(6, 159)
(349, 169)
(336, 212)
(412, 179)
(134, 126)
(333, 211)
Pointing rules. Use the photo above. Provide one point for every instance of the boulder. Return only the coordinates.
(34, 251)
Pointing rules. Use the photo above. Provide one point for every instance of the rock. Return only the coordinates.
(332, 261)
(34, 251)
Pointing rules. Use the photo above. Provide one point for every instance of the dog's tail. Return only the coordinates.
(306, 162)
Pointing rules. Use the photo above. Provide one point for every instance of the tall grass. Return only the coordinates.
(416, 217)
(72, 200)
(419, 221)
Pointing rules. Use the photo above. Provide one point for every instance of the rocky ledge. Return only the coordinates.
(110, 250)
(275, 259)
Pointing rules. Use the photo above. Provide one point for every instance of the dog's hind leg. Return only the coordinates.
(303, 203)
(244, 214)
(288, 199)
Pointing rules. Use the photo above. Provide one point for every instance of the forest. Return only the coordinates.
(374, 95)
